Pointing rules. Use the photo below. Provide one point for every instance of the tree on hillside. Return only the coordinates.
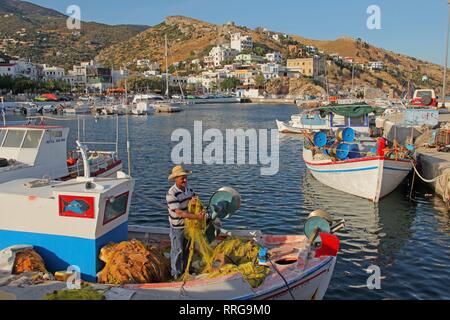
(142, 84)
(260, 81)
(259, 51)
(230, 84)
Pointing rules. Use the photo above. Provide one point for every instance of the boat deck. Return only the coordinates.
(18, 187)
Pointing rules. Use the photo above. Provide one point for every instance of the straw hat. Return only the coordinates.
(179, 171)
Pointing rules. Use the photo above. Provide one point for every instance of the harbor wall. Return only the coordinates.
(272, 101)
(433, 165)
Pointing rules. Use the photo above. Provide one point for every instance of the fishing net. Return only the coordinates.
(28, 260)
(194, 231)
(85, 293)
(229, 257)
(133, 262)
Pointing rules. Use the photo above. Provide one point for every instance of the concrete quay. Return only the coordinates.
(434, 165)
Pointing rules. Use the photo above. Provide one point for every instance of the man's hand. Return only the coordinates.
(202, 215)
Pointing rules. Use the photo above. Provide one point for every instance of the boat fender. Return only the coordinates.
(348, 135)
(330, 245)
(342, 151)
(3, 162)
(381, 147)
(320, 139)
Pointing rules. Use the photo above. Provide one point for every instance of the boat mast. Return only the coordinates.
(2, 109)
(167, 68)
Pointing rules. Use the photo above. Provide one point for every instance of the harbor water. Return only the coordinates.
(408, 240)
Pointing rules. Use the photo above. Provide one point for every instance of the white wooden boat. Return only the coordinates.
(168, 107)
(305, 282)
(367, 177)
(141, 108)
(79, 108)
(287, 128)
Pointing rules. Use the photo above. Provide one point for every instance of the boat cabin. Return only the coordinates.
(68, 222)
(332, 119)
(33, 152)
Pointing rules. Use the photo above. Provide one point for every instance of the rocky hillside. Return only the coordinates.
(40, 34)
(190, 38)
(399, 68)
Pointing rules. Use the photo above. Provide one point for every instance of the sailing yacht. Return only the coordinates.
(169, 105)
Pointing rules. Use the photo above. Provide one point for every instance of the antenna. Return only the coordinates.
(128, 145)
(446, 59)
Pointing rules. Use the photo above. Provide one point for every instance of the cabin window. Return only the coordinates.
(32, 139)
(357, 122)
(56, 134)
(14, 139)
(115, 209)
(338, 121)
(2, 136)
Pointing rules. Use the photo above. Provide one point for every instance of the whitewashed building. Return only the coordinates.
(271, 70)
(275, 57)
(240, 42)
(7, 69)
(53, 73)
(20, 68)
(151, 73)
(143, 62)
(249, 58)
(376, 65)
(220, 54)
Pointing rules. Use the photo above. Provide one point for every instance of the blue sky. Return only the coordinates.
(412, 27)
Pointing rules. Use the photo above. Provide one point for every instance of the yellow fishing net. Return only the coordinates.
(229, 257)
(133, 262)
(28, 260)
(85, 293)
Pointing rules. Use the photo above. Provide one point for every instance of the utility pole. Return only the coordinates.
(353, 78)
(444, 89)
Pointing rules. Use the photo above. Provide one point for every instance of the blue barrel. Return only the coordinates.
(354, 152)
(328, 148)
(320, 139)
(342, 151)
(348, 135)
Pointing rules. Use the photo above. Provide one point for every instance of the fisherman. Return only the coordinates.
(178, 199)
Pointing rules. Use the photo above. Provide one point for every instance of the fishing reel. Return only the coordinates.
(222, 205)
(318, 222)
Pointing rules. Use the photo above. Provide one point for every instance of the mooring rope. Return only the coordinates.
(422, 178)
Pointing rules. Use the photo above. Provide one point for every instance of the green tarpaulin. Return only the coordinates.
(349, 110)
